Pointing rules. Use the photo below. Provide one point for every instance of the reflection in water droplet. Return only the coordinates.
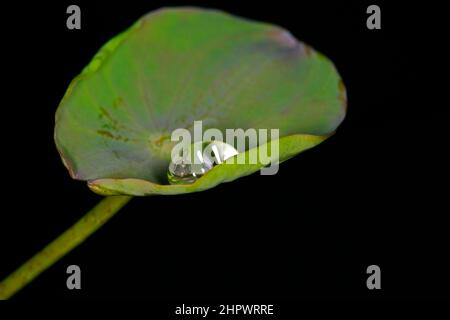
(186, 172)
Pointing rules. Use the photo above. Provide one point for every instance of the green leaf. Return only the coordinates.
(178, 65)
(226, 172)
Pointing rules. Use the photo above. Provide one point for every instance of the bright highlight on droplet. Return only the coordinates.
(186, 172)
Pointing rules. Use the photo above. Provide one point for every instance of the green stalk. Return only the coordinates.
(59, 247)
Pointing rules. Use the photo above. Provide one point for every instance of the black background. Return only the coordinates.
(372, 194)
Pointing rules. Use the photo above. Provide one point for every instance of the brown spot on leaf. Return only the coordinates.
(342, 94)
(109, 135)
(105, 133)
(308, 50)
(118, 102)
(105, 113)
(111, 123)
(159, 142)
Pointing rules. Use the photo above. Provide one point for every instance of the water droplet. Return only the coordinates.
(186, 172)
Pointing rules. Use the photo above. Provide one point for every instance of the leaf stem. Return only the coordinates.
(59, 247)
